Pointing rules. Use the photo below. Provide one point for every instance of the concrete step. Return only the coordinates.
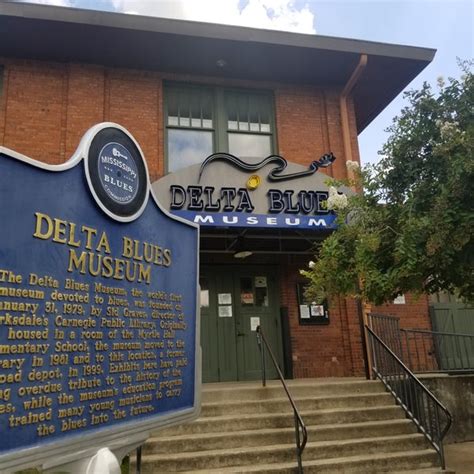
(353, 425)
(298, 388)
(282, 453)
(361, 464)
(430, 470)
(234, 422)
(282, 405)
(266, 437)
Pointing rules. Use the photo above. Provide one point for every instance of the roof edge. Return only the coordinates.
(212, 30)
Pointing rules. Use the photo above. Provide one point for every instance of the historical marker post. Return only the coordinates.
(99, 326)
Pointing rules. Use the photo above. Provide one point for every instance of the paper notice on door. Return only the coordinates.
(246, 298)
(254, 323)
(304, 311)
(317, 310)
(224, 298)
(204, 298)
(225, 311)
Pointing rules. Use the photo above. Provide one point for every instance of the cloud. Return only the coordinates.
(267, 14)
(56, 3)
(286, 15)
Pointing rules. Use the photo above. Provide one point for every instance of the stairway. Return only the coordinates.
(354, 426)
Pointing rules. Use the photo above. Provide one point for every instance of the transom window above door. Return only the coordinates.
(203, 120)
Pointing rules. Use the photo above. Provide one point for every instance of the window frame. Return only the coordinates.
(220, 142)
(166, 127)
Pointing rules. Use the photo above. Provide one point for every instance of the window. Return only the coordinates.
(253, 291)
(248, 124)
(190, 126)
(204, 120)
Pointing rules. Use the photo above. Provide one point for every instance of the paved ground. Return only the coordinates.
(460, 457)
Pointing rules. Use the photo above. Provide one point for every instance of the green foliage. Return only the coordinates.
(412, 227)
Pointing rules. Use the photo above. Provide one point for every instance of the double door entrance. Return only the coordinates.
(234, 301)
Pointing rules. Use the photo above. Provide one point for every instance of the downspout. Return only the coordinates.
(346, 139)
(346, 135)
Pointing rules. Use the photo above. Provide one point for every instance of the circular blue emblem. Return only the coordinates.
(118, 173)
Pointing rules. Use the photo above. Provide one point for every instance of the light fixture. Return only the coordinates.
(243, 254)
(241, 249)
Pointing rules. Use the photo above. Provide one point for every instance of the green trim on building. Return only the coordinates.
(232, 112)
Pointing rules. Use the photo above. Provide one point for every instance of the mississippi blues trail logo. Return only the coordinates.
(226, 190)
(117, 173)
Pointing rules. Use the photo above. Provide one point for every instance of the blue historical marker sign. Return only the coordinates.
(98, 303)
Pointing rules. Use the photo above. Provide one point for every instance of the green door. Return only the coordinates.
(234, 301)
(454, 353)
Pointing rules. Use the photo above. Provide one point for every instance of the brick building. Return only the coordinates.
(187, 90)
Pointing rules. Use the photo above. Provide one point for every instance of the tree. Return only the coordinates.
(411, 227)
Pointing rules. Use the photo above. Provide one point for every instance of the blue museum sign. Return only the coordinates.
(226, 191)
(98, 303)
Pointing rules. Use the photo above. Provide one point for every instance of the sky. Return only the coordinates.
(445, 25)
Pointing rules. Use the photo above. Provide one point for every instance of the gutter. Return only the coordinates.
(348, 156)
(346, 135)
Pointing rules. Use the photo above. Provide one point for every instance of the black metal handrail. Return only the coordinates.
(419, 404)
(301, 434)
(388, 329)
(436, 351)
(138, 466)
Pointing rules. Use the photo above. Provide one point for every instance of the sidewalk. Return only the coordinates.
(460, 457)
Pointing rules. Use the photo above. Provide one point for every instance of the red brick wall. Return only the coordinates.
(35, 94)
(413, 315)
(332, 350)
(417, 349)
(45, 108)
(134, 103)
(309, 125)
(85, 102)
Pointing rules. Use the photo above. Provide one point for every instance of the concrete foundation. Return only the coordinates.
(456, 392)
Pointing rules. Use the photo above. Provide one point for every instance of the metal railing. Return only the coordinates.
(420, 405)
(425, 351)
(138, 466)
(388, 329)
(434, 351)
(301, 434)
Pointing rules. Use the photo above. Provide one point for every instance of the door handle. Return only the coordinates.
(239, 334)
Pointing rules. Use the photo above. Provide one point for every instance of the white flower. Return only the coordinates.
(448, 129)
(336, 200)
(441, 82)
(311, 264)
(352, 166)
